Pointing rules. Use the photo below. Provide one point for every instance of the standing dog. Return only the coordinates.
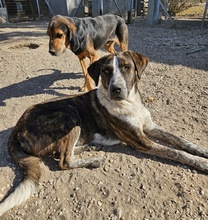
(111, 114)
(84, 36)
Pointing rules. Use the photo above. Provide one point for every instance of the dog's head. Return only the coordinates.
(120, 73)
(62, 33)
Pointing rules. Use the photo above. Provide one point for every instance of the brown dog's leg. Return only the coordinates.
(89, 85)
(67, 148)
(109, 46)
(124, 45)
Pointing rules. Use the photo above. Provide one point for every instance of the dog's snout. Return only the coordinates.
(117, 93)
(52, 52)
(116, 90)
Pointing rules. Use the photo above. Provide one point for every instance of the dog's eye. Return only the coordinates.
(106, 71)
(126, 68)
(59, 35)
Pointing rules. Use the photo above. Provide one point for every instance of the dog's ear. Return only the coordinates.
(95, 68)
(140, 61)
(73, 37)
(50, 26)
(94, 71)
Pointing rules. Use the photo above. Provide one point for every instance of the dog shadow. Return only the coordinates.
(18, 29)
(38, 85)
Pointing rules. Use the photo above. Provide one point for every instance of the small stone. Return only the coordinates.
(201, 192)
(149, 99)
(99, 203)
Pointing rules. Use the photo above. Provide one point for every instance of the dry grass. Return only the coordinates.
(197, 10)
(186, 7)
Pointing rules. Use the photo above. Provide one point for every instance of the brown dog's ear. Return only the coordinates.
(50, 27)
(73, 37)
(140, 61)
(52, 24)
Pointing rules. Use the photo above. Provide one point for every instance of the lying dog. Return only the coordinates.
(84, 36)
(112, 114)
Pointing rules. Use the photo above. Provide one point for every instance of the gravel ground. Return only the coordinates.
(130, 185)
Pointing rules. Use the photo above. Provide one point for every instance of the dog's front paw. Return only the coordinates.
(97, 162)
(93, 162)
(94, 148)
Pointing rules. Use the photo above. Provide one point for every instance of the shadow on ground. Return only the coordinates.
(37, 85)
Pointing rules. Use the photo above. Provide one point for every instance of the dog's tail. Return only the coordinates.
(32, 173)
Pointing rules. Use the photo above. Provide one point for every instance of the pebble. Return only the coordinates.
(99, 203)
(105, 168)
(201, 192)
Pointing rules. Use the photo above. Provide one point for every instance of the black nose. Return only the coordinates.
(115, 90)
(52, 52)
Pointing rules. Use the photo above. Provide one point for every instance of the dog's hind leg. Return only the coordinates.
(89, 84)
(67, 151)
(109, 46)
(124, 45)
(122, 34)
(160, 134)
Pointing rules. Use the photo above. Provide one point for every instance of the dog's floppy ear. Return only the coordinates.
(140, 61)
(50, 26)
(95, 67)
(94, 71)
(73, 37)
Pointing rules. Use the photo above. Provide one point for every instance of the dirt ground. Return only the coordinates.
(130, 185)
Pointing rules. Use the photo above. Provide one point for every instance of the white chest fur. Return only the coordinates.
(130, 110)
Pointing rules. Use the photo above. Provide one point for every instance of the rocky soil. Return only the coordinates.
(130, 185)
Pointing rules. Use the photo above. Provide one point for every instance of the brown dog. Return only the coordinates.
(112, 114)
(84, 36)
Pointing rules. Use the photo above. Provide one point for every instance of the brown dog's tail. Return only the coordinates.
(32, 173)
